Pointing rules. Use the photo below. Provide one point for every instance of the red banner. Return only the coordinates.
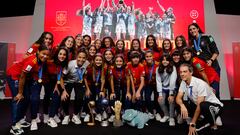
(128, 18)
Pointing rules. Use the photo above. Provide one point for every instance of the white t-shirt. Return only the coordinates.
(199, 88)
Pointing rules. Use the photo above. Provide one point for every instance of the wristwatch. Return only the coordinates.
(192, 124)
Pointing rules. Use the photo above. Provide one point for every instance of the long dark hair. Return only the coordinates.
(163, 48)
(111, 42)
(116, 48)
(73, 49)
(190, 37)
(169, 68)
(43, 35)
(155, 46)
(56, 60)
(184, 43)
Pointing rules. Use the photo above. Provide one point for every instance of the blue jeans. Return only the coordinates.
(55, 103)
(215, 86)
(18, 109)
(35, 89)
(148, 90)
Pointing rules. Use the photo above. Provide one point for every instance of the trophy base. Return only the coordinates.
(91, 124)
(104, 123)
(117, 123)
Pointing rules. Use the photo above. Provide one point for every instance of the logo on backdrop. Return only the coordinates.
(61, 18)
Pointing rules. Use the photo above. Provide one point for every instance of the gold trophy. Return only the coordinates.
(91, 106)
(117, 109)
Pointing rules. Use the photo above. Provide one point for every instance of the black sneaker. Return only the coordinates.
(15, 130)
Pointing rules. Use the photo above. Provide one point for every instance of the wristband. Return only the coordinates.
(193, 125)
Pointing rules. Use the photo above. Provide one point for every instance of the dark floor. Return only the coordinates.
(230, 118)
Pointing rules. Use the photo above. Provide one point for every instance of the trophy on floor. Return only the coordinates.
(91, 106)
(104, 105)
(117, 109)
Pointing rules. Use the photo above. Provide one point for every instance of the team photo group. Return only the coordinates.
(167, 84)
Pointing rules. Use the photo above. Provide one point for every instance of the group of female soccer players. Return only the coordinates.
(143, 79)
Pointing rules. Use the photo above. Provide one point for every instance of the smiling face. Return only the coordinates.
(86, 41)
(194, 31)
(136, 45)
(98, 44)
(150, 41)
(166, 45)
(62, 55)
(120, 45)
(119, 62)
(92, 51)
(107, 42)
(179, 42)
(165, 62)
(149, 57)
(135, 61)
(185, 73)
(48, 40)
(43, 55)
(69, 43)
(81, 58)
(98, 61)
(176, 58)
(78, 41)
(187, 55)
(108, 56)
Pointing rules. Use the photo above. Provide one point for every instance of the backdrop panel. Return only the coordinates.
(163, 18)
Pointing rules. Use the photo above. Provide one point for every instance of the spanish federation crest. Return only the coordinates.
(61, 17)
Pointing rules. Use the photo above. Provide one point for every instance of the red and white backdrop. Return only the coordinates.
(62, 20)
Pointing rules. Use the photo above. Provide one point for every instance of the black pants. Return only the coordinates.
(210, 111)
(79, 90)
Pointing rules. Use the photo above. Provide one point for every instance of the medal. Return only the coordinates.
(198, 53)
(58, 82)
(81, 81)
(96, 84)
(39, 80)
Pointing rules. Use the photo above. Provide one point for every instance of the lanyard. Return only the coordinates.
(197, 44)
(40, 73)
(80, 73)
(151, 72)
(119, 77)
(98, 75)
(59, 75)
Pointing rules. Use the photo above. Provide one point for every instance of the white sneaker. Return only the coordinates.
(111, 119)
(65, 120)
(98, 117)
(86, 118)
(34, 125)
(158, 117)
(23, 123)
(151, 116)
(104, 115)
(171, 122)
(52, 123)
(83, 115)
(16, 130)
(38, 118)
(45, 118)
(76, 120)
(56, 118)
(179, 119)
(219, 121)
(164, 119)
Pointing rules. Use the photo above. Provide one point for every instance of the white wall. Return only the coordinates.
(16, 30)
